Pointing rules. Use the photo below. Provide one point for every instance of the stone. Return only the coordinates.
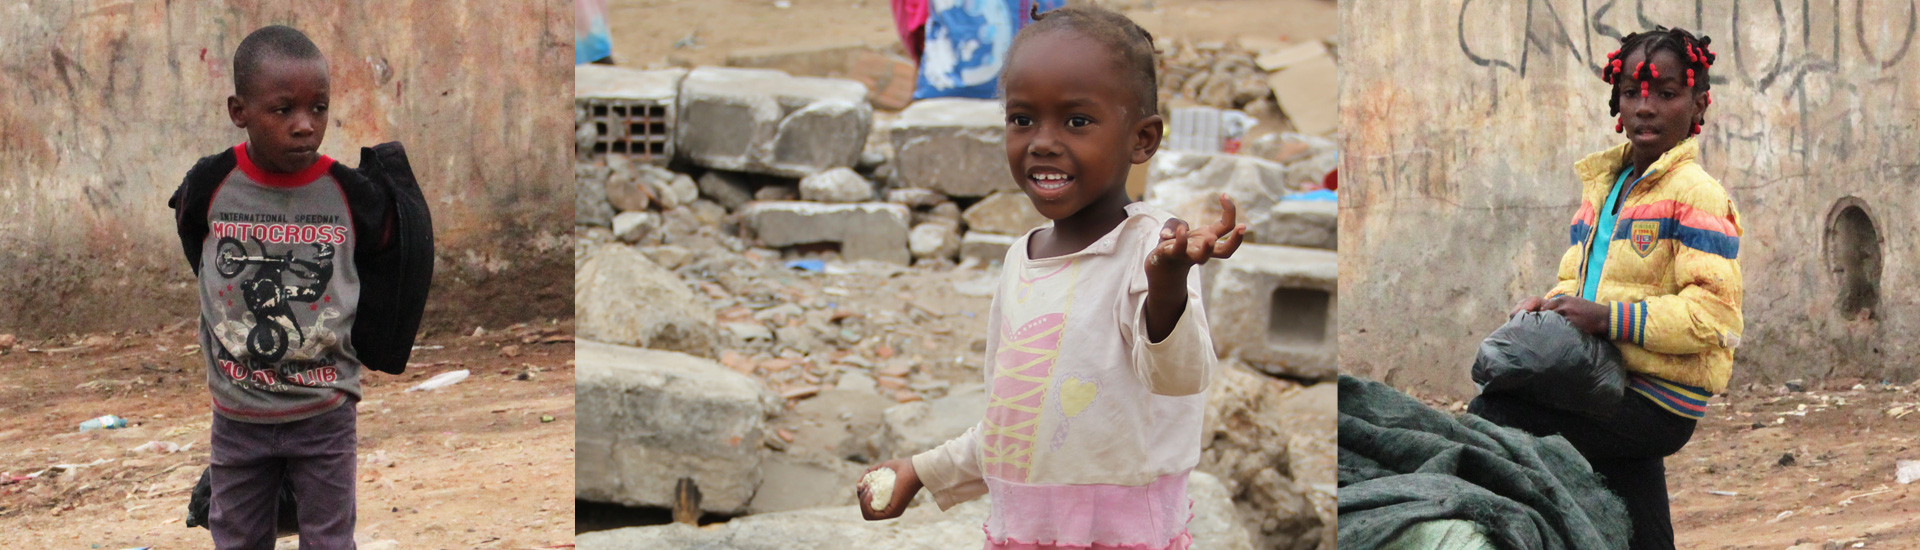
(749, 332)
(855, 381)
(766, 122)
(917, 427)
(590, 206)
(708, 213)
(1009, 213)
(988, 247)
(1309, 224)
(649, 418)
(953, 146)
(1274, 307)
(633, 227)
(1215, 526)
(1189, 184)
(916, 198)
(668, 256)
(729, 189)
(947, 212)
(843, 421)
(836, 185)
(630, 187)
(933, 240)
(865, 231)
(1248, 436)
(792, 481)
(777, 192)
(621, 297)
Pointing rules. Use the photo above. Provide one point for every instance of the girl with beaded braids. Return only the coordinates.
(1099, 353)
(1652, 267)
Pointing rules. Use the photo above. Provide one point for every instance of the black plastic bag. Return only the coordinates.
(1540, 357)
(200, 506)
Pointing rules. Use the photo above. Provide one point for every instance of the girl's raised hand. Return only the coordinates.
(1182, 248)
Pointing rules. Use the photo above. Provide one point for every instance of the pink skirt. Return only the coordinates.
(1181, 542)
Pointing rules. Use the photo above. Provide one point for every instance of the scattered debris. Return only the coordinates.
(441, 380)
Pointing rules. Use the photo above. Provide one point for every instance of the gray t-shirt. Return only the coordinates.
(278, 289)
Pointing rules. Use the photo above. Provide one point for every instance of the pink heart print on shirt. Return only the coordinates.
(1023, 370)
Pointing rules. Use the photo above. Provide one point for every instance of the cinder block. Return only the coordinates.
(1275, 307)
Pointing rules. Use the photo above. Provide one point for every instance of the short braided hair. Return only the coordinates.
(1691, 50)
(1131, 45)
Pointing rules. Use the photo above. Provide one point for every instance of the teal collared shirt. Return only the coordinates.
(1603, 235)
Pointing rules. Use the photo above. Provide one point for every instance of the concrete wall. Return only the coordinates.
(104, 106)
(1463, 120)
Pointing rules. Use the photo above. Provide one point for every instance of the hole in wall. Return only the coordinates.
(1853, 256)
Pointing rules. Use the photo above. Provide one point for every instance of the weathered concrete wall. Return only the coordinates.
(104, 106)
(1464, 118)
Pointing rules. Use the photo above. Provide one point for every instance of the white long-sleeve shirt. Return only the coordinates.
(1090, 428)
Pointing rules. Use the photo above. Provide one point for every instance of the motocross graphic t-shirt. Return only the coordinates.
(277, 294)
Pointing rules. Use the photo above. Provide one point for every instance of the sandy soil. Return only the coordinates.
(483, 464)
(645, 32)
(1804, 468)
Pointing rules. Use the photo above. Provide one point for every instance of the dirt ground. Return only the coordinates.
(1774, 468)
(484, 464)
(1814, 467)
(646, 32)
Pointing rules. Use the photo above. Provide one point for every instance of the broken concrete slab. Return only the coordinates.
(1189, 184)
(952, 145)
(1275, 308)
(623, 111)
(840, 421)
(836, 185)
(796, 481)
(865, 231)
(648, 418)
(623, 298)
(917, 198)
(988, 247)
(889, 78)
(1308, 92)
(1006, 212)
(1215, 526)
(917, 427)
(1308, 224)
(766, 122)
(1278, 59)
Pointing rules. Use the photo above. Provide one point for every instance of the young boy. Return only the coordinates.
(278, 293)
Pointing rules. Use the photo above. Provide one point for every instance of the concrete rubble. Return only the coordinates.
(766, 122)
(649, 418)
(1215, 525)
(822, 270)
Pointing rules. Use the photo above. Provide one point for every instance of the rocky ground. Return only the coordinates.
(484, 464)
(1802, 466)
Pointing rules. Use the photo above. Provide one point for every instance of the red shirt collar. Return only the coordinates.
(277, 179)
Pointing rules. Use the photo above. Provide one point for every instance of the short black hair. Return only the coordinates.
(273, 41)
(1131, 45)
(1691, 50)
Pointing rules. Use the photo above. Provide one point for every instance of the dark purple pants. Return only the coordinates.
(250, 461)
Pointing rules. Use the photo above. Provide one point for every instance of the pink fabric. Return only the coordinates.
(1149, 517)
(910, 19)
(1019, 390)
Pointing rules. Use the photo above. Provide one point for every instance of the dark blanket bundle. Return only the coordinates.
(1540, 357)
(1403, 463)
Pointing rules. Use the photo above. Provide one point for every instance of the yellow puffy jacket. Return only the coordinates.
(1671, 279)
